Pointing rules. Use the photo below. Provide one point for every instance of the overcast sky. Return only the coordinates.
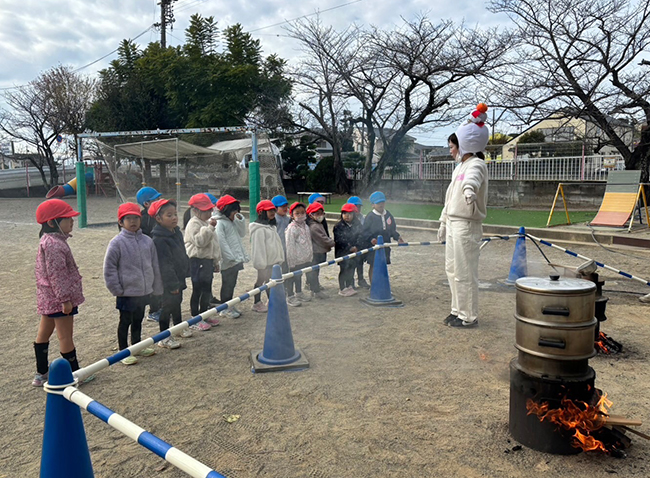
(38, 34)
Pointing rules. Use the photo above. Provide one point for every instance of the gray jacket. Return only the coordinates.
(230, 234)
(131, 265)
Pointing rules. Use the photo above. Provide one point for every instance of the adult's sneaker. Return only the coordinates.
(293, 301)
(39, 380)
(459, 323)
(302, 297)
(449, 318)
(169, 343)
(260, 307)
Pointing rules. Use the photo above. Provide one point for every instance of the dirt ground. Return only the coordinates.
(390, 392)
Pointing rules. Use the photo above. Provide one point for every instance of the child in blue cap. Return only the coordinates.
(379, 222)
(145, 196)
(361, 282)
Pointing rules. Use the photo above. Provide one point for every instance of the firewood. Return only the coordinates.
(614, 420)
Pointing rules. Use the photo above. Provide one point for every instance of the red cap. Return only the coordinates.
(128, 209)
(265, 205)
(295, 205)
(156, 205)
(224, 201)
(314, 207)
(347, 207)
(201, 202)
(54, 209)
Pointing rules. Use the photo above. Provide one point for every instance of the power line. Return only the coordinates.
(305, 16)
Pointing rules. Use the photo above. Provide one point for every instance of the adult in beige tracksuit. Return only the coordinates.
(461, 222)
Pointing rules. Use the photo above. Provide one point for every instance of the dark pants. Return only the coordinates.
(360, 261)
(155, 303)
(132, 319)
(296, 281)
(229, 281)
(171, 307)
(200, 299)
(346, 274)
(263, 276)
(312, 277)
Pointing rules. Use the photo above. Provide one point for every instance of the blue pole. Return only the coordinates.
(65, 449)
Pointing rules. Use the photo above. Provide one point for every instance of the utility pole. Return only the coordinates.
(166, 17)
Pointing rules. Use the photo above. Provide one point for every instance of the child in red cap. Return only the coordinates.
(321, 245)
(58, 285)
(174, 266)
(266, 248)
(346, 237)
(203, 250)
(299, 252)
(231, 228)
(132, 275)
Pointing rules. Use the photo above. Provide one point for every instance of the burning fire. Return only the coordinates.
(607, 345)
(579, 417)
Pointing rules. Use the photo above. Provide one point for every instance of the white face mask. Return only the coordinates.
(319, 218)
(300, 219)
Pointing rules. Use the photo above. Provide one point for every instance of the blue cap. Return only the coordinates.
(146, 194)
(279, 201)
(212, 197)
(377, 197)
(356, 200)
(313, 197)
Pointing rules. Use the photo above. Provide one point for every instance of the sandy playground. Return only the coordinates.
(390, 392)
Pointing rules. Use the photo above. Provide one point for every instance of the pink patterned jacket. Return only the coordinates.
(57, 275)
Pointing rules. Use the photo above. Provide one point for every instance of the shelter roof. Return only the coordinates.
(165, 150)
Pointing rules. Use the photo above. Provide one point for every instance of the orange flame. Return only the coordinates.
(600, 343)
(578, 416)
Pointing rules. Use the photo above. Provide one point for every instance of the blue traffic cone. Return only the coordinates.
(65, 449)
(519, 265)
(279, 352)
(380, 293)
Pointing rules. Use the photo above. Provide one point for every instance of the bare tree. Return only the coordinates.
(420, 74)
(53, 104)
(580, 58)
(319, 89)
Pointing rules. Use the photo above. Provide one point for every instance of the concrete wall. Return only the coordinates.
(501, 193)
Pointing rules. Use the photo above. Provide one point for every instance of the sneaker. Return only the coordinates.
(293, 301)
(236, 310)
(351, 291)
(645, 299)
(169, 343)
(457, 322)
(230, 314)
(213, 321)
(186, 333)
(260, 307)
(39, 380)
(154, 316)
(449, 318)
(363, 284)
(302, 297)
(148, 352)
(130, 360)
(215, 302)
(202, 325)
(320, 295)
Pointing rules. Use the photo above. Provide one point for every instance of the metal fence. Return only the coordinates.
(570, 168)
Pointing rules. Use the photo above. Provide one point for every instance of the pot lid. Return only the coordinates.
(555, 285)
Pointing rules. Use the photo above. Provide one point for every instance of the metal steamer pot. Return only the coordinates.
(555, 325)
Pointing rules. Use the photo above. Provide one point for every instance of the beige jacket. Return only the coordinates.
(201, 240)
(266, 246)
(470, 174)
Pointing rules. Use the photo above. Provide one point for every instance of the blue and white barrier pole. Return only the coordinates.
(164, 450)
(599, 264)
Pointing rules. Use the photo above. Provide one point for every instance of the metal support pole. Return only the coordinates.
(81, 185)
(178, 179)
(253, 179)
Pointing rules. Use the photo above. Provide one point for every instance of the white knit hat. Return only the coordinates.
(473, 136)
